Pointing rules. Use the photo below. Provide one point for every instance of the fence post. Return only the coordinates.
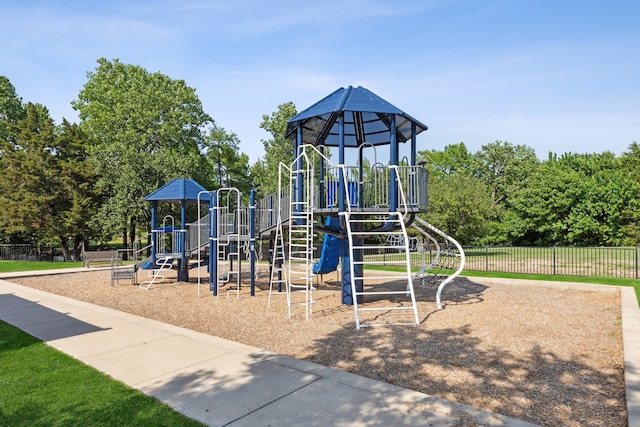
(554, 260)
(486, 258)
(636, 262)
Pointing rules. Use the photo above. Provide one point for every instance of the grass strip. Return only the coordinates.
(41, 386)
(635, 284)
(11, 266)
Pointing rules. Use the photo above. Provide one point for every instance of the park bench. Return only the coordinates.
(98, 256)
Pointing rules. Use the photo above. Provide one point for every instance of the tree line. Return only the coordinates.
(504, 195)
(69, 184)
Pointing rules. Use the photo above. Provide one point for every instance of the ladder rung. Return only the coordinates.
(383, 292)
(374, 221)
(384, 309)
(403, 248)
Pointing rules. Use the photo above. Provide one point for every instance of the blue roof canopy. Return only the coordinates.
(366, 119)
(178, 190)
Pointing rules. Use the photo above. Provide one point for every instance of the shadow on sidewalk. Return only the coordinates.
(40, 321)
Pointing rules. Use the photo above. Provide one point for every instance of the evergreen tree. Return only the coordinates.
(11, 110)
(47, 187)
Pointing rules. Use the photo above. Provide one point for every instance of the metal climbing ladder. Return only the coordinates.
(365, 225)
(278, 276)
(163, 263)
(298, 262)
(361, 227)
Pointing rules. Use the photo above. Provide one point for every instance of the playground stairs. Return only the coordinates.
(163, 264)
(394, 304)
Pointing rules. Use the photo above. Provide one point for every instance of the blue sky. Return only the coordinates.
(559, 76)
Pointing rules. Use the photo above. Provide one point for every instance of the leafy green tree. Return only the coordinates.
(577, 199)
(454, 158)
(503, 167)
(277, 149)
(630, 160)
(28, 172)
(46, 185)
(148, 129)
(536, 211)
(460, 205)
(630, 166)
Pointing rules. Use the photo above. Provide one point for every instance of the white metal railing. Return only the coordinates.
(373, 188)
(168, 239)
(366, 189)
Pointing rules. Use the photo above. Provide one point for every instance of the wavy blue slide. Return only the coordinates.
(331, 249)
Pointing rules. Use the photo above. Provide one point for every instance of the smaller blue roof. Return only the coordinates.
(178, 190)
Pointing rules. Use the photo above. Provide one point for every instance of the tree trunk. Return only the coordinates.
(124, 237)
(64, 242)
(132, 232)
(78, 245)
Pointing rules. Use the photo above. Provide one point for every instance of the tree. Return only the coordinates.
(148, 129)
(503, 167)
(277, 149)
(46, 185)
(460, 205)
(77, 197)
(630, 167)
(230, 167)
(630, 160)
(454, 158)
(28, 172)
(577, 199)
(11, 110)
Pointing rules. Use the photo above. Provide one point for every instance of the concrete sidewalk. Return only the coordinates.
(220, 382)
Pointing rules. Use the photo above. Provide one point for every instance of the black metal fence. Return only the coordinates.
(29, 252)
(615, 262)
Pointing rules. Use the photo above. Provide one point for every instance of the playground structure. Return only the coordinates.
(354, 206)
(362, 210)
(168, 245)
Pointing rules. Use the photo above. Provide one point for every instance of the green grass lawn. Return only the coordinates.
(635, 284)
(9, 266)
(40, 386)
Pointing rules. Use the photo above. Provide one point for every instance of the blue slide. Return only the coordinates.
(331, 248)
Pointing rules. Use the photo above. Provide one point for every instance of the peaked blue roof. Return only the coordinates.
(176, 191)
(367, 118)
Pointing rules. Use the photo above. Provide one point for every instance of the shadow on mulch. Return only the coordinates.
(540, 387)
